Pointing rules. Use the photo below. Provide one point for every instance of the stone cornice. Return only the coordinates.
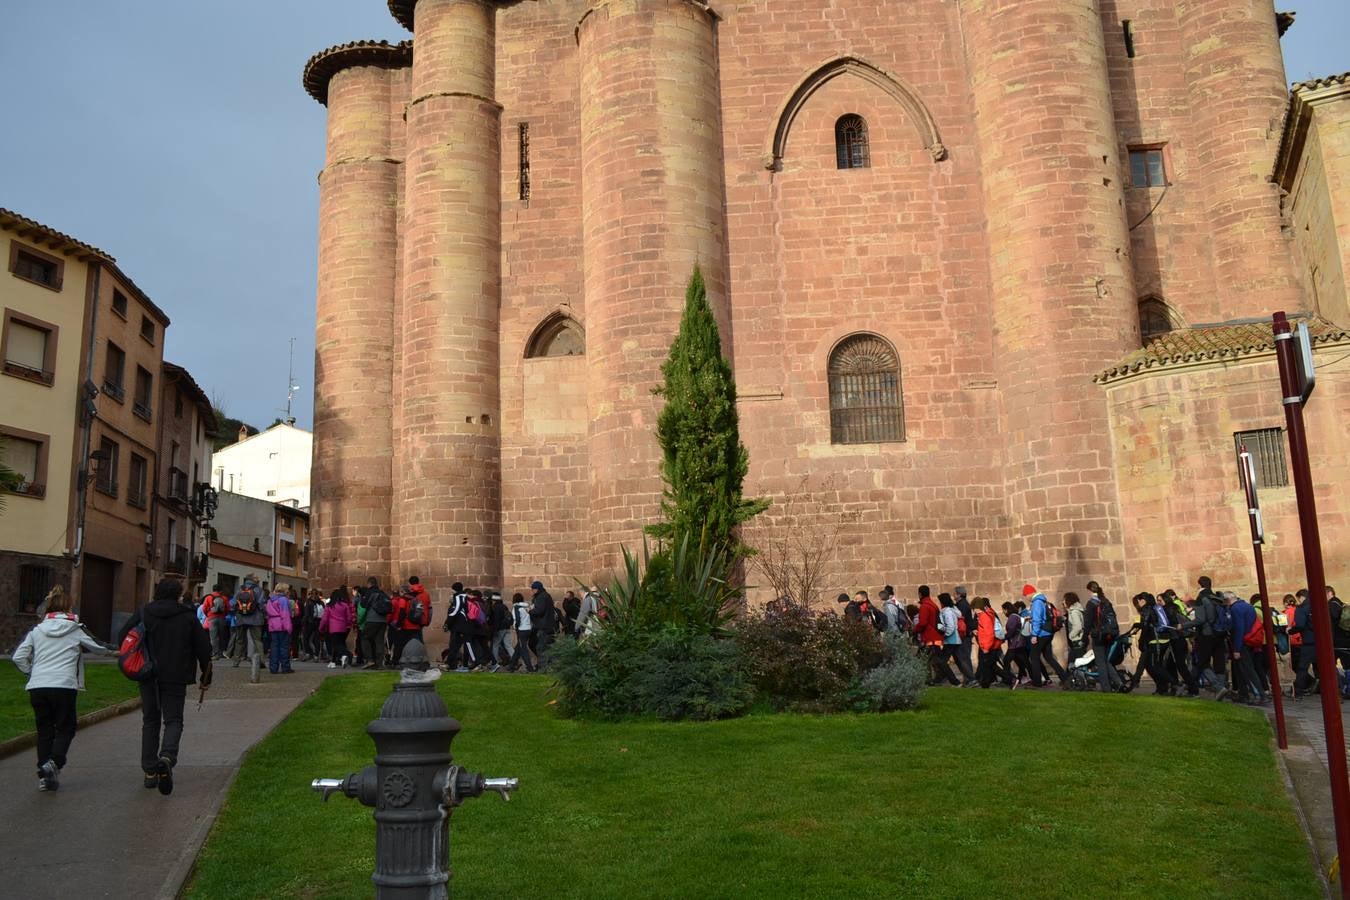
(1303, 96)
(322, 66)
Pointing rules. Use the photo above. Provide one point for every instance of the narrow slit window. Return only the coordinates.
(1128, 31)
(524, 162)
(851, 144)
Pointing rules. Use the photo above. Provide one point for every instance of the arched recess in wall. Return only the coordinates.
(1156, 319)
(895, 88)
(558, 335)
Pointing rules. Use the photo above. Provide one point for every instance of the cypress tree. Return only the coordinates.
(699, 430)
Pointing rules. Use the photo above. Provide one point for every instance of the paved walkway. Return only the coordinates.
(103, 834)
(1306, 763)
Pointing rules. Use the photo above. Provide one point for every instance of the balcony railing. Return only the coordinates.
(108, 487)
(113, 390)
(199, 564)
(141, 409)
(175, 559)
(178, 485)
(136, 497)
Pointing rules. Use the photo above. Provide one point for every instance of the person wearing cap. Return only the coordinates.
(1042, 639)
(543, 619)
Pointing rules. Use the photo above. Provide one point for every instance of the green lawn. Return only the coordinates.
(104, 684)
(975, 795)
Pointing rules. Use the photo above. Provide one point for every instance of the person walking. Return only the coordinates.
(338, 617)
(247, 605)
(309, 634)
(179, 649)
(931, 638)
(951, 624)
(588, 619)
(216, 606)
(543, 620)
(520, 611)
(1042, 636)
(499, 618)
(1103, 628)
(1214, 624)
(1018, 647)
(1075, 633)
(989, 633)
(897, 621)
(378, 606)
(1245, 680)
(280, 624)
(963, 608)
(50, 655)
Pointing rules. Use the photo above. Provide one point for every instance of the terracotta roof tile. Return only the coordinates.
(403, 11)
(39, 233)
(1205, 343)
(322, 66)
(1313, 84)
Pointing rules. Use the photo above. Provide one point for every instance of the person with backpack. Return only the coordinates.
(897, 620)
(542, 617)
(215, 606)
(1303, 630)
(247, 606)
(1340, 632)
(989, 635)
(1214, 626)
(1045, 621)
(951, 625)
(499, 621)
(309, 635)
(280, 622)
(378, 607)
(524, 625)
(1074, 633)
(177, 650)
(459, 652)
(963, 608)
(1245, 625)
(1103, 629)
(51, 656)
(588, 619)
(1172, 627)
(479, 627)
(1016, 645)
(338, 617)
(571, 608)
(930, 637)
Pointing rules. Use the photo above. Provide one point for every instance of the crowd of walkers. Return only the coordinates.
(1213, 640)
(368, 628)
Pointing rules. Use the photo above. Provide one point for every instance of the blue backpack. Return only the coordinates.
(1223, 619)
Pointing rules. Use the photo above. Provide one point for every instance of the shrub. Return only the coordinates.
(807, 661)
(897, 683)
(688, 585)
(667, 673)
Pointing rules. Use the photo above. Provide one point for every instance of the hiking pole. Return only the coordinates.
(1296, 381)
(1247, 472)
(201, 698)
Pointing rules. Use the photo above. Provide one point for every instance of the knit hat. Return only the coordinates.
(1027, 590)
(537, 586)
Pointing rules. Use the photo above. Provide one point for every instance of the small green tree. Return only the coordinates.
(699, 430)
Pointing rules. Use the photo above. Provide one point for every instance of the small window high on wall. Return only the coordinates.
(1266, 445)
(1155, 320)
(850, 143)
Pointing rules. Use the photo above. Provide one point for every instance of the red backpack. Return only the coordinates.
(133, 656)
(475, 611)
(1255, 638)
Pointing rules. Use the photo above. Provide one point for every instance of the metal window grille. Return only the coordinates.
(31, 267)
(34, 583)
(525, 162)
(1266, 445)
(865, 398)
(1154, 321)
(850, 143)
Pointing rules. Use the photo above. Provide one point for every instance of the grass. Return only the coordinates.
(104, 686)
(977, 793)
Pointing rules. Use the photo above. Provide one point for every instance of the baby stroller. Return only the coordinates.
(1083, 673)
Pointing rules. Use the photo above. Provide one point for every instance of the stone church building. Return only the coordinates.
(995, 277)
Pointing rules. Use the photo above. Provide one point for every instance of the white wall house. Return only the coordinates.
(272, 465)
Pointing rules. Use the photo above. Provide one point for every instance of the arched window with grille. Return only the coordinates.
(850, 142)
(1155, 320)
(558, 335)
(866, 405)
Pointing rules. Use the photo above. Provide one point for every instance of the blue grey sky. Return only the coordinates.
(176, 136)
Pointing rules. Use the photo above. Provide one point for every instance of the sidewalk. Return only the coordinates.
(1306, 763)
(103, 834)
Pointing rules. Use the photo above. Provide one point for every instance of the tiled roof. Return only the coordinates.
(1314, 83)
(1283, 22)
(1213, 343)
(37, 233)
(323, 65)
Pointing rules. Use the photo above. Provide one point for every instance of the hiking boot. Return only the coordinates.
(1223, 692)
(165, 776)
(151, 780)
(47, 773)
(332, 665)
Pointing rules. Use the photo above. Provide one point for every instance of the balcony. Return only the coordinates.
(113, 390)
(178, 485)
(175, 559)
(136, 497)
(27, 489)
(141, 409)
(199, 565)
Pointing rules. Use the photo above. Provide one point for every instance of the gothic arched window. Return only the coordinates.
(850, 142)
(1155, 320)
(558, 335)
(866, 406)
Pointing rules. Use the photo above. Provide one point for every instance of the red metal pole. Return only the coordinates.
(1253, 512)
(1317, 585)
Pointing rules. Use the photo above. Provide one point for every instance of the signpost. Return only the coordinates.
(1296, 384)
(1248, 474)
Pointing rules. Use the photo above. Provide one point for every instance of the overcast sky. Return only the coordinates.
(176, 136)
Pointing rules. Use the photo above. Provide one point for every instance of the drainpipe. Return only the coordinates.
(87, 411)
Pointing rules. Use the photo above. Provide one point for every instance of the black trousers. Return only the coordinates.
(960, 653)
(463, 652)
(1179, 650)
(1042, 653)
(372, 643)
(1211, 652)
(161, 704)
(989, 669)
(54, 714)
(398, 639)
(522, 651)
(337, 646)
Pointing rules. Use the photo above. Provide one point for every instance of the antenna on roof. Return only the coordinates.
(291, 386)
